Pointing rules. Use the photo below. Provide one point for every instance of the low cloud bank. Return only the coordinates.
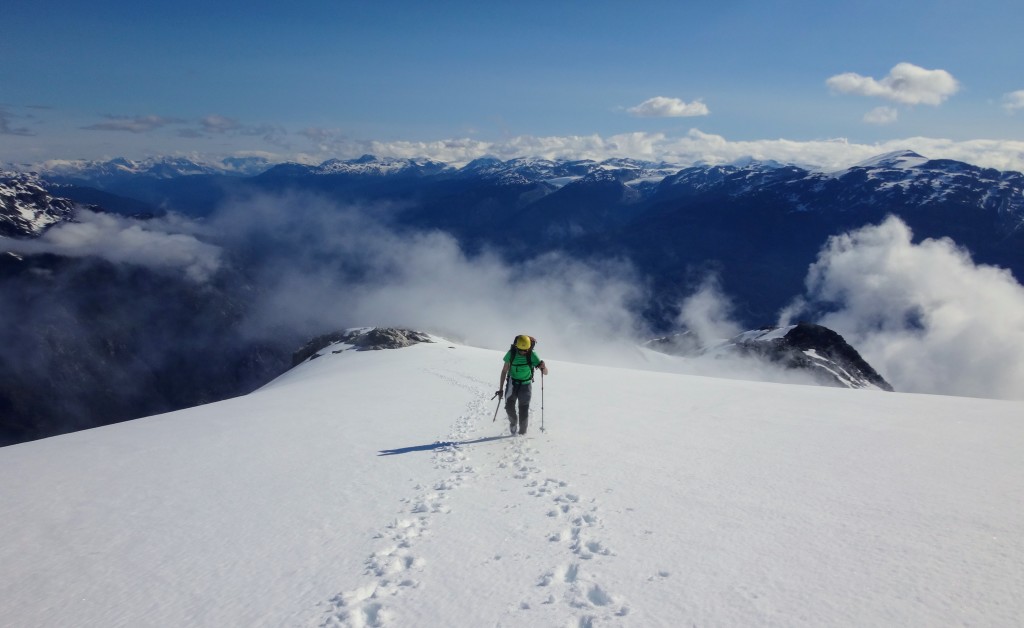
(923, 314)
(168, 244)
(323, 267)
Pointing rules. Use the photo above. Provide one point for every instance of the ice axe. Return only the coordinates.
(542, 401)
(497, 395)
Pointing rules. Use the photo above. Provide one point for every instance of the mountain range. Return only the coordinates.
(754, 225)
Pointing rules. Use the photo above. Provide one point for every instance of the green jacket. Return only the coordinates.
(519, 370)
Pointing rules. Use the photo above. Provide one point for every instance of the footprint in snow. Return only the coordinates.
(395, 562)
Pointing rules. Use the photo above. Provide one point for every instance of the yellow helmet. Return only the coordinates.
(523, 343)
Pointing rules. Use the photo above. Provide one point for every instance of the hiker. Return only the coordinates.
(520, 361)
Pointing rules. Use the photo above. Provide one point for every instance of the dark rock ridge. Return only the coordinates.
(804, 347)
(813, 349)
(361, 339)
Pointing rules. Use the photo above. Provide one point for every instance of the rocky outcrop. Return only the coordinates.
(361, 339)
(804, 347)
(813, 349)
(26, 208)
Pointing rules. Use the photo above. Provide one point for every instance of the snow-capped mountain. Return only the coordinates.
(733, 179)
(909, 178)
(97, 171)
(26, 208)
(365, 166)
(104, 174)
(892, 181)
(523, 171)
(899, 160)
(371, 488)
(761, 225)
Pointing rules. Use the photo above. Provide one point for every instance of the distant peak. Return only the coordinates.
(752, 162)
(895, 159)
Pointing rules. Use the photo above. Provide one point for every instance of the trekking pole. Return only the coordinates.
(542, 401)
(497, 395)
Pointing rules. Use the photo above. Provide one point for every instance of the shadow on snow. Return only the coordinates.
(440, 445)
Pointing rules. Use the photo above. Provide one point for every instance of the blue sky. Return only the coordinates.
(451, 80)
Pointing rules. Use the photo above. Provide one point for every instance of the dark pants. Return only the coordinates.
(521, 393)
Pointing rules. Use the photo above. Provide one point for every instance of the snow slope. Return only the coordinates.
(372, 488)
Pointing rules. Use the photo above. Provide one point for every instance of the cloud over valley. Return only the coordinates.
(924, 314)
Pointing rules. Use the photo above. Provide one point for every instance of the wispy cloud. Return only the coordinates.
(663, 107)
(270, 133)
(222, 125)
(1014, 101)
(6, 128)
(133, 124)
(205, 127)
(906, 84)
(219, 124)
(881, 115)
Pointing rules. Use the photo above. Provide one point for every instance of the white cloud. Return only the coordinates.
(924, 315)
(662, 107)
(906, 84)
(708, 313)
(169, 243)
(339, 267)
(1014, 101)
(881, 115)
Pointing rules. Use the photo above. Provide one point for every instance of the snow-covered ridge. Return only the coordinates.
(904, 173)
(898, 179)
(903, 159)
(369, 165)
(513, 172)
(559, 173)
(26, 208)
(372, 488)
(153, 167)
